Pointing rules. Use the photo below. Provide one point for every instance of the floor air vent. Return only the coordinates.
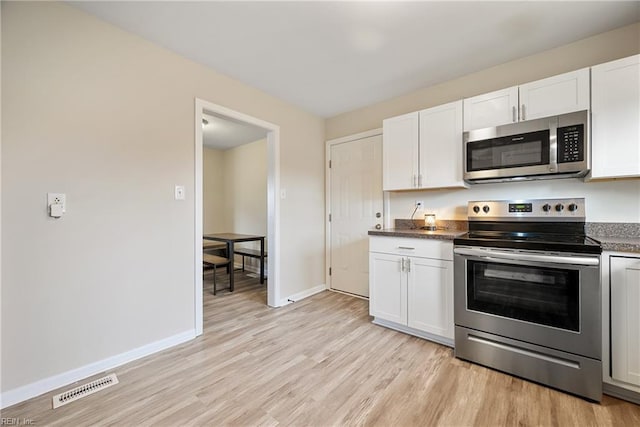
(84, 390)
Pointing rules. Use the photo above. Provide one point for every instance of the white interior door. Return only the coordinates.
(356, 208)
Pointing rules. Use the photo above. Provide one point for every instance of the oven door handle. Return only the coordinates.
(515, 256)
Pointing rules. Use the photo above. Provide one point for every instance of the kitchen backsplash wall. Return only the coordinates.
(606, 201)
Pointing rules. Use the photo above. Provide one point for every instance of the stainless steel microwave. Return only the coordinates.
(551, 147)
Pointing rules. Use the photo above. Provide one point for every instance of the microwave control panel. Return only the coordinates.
(571, 144)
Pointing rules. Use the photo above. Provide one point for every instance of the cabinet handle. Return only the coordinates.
(420, 180)
(402, 264)
(408, 265)
(415, 180)
(522, 111)
(406, 247)
(513, 112)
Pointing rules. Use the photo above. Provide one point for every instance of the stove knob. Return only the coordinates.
(559, 207)
(573, 207)
(476, 209)
(485, 208)
(546, 207)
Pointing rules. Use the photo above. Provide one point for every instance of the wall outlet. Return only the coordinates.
(56, 199)
(419, 204)
(56, 204)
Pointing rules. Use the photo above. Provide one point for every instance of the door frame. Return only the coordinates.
(327, 191)
(273, 202)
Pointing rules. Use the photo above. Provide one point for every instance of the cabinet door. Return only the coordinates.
(625, 319)
(615, 108)
(400, 152)
(491, 109)
(555, 95)
(387, 288)
(430, 296)
(441, 162)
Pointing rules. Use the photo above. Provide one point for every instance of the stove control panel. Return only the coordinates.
(527, 210)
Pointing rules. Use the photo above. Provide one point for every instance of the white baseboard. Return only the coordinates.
(303, 294)
(20, 394)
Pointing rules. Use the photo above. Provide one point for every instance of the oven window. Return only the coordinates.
(531, 149)
(545, 296)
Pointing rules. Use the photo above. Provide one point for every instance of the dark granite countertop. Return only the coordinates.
(615, 237)
(447, 229)
(419, 234)
(619, 244)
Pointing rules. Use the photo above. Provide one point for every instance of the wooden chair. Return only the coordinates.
(215, 261)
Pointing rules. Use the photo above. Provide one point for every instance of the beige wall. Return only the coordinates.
(605, 47)
(214, 218)
(245, 197)
(108, 118)
(235, 189)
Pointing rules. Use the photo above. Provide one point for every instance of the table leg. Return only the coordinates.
(231, 269)
(262, 261)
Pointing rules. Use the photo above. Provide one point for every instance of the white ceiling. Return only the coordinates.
(224, 133)
(333, 57)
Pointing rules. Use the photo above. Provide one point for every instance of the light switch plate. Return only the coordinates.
(179, 192)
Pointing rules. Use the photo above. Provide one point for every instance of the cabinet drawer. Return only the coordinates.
(426, 248)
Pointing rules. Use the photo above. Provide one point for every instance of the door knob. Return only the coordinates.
(378, 226)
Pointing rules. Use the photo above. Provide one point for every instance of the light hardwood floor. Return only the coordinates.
(317, 362)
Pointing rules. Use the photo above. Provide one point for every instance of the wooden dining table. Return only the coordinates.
(231, 239)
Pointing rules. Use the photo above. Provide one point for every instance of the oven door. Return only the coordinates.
(552, 300)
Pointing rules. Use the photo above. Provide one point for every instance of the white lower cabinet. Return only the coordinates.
(411, 286)
(625, 319)
(387, 287)
(621, 328)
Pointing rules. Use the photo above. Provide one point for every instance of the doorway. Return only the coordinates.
(203, 107)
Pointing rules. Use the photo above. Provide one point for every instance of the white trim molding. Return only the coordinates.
(20, 394)
(304, 294)
(273, 203)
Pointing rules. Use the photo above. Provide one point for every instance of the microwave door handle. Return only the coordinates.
(553, 145)
(513, 256)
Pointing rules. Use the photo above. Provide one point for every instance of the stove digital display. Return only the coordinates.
(520, 207)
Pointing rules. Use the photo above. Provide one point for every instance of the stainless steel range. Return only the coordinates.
(527, 293)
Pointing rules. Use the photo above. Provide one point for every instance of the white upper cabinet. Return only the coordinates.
(491, 109)
(615, 119)
(552, 96)
(400, 152)
(441, 147)
(423, 149)
(555, 95)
